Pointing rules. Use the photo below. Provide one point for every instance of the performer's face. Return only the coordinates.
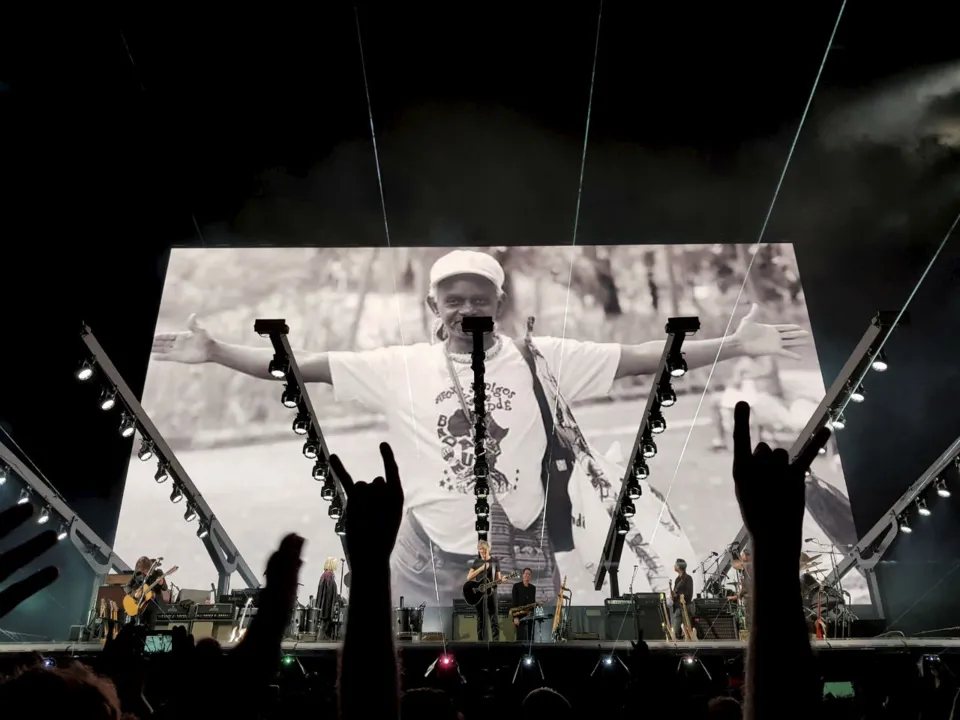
(526, 577)
(484, 552)
(464, 296)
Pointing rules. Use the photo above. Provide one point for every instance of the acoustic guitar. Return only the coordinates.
(134, 603)
(475, 590)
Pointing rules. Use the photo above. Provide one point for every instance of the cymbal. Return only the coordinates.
(807, 559)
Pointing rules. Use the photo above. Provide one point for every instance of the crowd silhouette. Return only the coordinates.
(200, 680)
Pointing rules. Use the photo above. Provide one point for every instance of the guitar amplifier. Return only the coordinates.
(465, 625)
(715, 625)
(623, 617)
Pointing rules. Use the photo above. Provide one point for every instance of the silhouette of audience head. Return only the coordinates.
(544, 702)
(427, 704)
(724, 708)
(75, 689)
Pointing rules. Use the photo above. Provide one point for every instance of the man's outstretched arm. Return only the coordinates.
(255, 361)
(643, 359)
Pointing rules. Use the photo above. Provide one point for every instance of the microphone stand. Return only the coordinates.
(633, 602)
(338, 615)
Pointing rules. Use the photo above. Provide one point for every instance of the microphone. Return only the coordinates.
(714, 553)
(810, 540)
(159, 559)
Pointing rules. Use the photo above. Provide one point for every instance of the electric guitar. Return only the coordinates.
(475, 590)
(236, 635)
(134, 603)
(689, 631)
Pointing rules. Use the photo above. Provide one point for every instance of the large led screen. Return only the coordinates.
(376, 331)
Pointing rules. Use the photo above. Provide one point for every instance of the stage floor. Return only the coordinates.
(732, 647)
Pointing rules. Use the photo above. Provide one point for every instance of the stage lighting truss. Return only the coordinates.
(920, 500)
(478, 327)
(56, 514)
(652, 423)
(867, 357)
(284, 368)
(116, 396)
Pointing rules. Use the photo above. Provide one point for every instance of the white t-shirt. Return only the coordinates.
(435, 451)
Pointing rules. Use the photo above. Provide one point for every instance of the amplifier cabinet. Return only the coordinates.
(465, 627)
(715, 625)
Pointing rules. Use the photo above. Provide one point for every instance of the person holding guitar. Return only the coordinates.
(486, 569)
(682, 588)
(147, 574)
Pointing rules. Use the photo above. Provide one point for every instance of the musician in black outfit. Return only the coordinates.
(485, 569)
(682, 587)
(328, 601)
(524, 593)
(146, 572)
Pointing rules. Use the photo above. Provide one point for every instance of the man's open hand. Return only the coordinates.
(19, 557)
(373, 511)
(771, 489)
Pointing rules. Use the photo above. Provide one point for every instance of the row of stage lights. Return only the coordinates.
(26, 496)
(478, 327)
(292, 397)
(942, 490)
(676, 367)
(109, 401)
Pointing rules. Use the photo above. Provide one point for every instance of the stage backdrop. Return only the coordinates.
(234, 437)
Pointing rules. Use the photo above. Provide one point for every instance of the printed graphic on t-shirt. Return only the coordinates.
(457, 447)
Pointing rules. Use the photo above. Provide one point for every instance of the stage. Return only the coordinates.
(729, 648)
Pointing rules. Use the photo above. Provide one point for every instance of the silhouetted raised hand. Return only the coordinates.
(770, 489)
(19, 557)
(374, 511)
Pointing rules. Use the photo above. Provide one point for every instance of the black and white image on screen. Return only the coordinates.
(373, 327)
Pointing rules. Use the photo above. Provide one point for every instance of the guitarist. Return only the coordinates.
(485, 568)
(146, 571)
(524, 593)
(682, 587)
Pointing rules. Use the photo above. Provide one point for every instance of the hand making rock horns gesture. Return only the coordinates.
(373, 512)
(22, 555)
(770, 488)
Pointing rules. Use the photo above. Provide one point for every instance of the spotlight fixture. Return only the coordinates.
(128, 425)
(62, 532)
(24, 497)
(481, 490)
(146, 450)
(176, 495)
(623, 526)
(665, 393)
(328, 492)
(648, 448)
(905, 525)
(278, 367)
(879, 363)
(922, 508)
(641, 471)
(481, 508)
(941, 487)
(163, 473)
(859, 394)
(290, 397)
(108, 399)
(839, 422)
(44, 517)
(656, 421)
(340, 529)
(85, 371)
(482, 525)
(627, 508)
(3, 473)
(301, 424)
(321, 471)
(311, 448)
(676, 365)
(634, 490)
(335, 511)
(203, 530)
(190, 514)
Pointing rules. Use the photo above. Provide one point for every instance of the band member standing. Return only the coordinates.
(431, 431)
(328, 599)
(682, 588)
(146, 572)
(524, 593)
(484, 569)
